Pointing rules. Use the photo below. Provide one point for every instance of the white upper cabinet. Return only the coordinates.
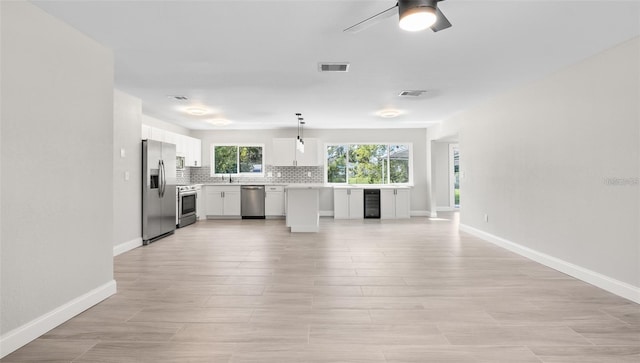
(157, 134)
(181, 145)
(146, 132)
(310, 155)
(189, 147)
(193, 155)
(284, 153)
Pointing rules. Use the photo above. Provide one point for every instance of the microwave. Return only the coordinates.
(180, 162)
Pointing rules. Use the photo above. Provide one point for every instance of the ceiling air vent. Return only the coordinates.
(333, 67)
(412, 93)
(178, 98)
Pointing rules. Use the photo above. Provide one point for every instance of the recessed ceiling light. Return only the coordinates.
(219, 122)
(196, 111)
(389, 113)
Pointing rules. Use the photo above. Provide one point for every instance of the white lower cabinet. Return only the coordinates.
(274, 201)
(348, 203)
(200, 212)
(222, 201)
(395, 203)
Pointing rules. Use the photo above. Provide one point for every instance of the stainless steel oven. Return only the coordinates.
(186, 205)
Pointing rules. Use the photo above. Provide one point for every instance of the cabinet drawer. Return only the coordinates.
(223, 188)
(274, 188)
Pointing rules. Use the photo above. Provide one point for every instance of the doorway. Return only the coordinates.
(454, 175)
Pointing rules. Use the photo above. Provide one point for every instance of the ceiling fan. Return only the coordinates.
(414, 15)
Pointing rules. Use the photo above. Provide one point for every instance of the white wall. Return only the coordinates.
(57, 179)
(537, 159)
(127, 195)
(154, 122)
(415, 136)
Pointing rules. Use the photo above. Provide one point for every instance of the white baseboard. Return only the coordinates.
(127, 246)
(20, 336)
(446, 209)
(326, 213)
(420, 213)
(604, 282)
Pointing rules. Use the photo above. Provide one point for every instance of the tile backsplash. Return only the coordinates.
(183, 177)
(288, 175)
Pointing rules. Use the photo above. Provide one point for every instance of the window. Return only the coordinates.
(237, 159)
(368, 164)
(337, 163)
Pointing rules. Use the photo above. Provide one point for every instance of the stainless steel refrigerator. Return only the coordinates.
(158, 190)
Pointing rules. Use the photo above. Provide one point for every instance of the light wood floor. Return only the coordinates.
(359, 291)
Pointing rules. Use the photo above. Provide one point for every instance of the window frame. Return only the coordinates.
(212, 160)
(348, 146)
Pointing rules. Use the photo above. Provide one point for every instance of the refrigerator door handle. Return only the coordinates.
(164, 179)
(160, 178)
(162, 182)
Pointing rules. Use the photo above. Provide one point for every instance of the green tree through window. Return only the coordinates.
(226, 159)
(368, 164)
(234, 159)
(399, 164)
(337, 164)
(250, 159)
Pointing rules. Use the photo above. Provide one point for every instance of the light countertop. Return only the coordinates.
(311, 185)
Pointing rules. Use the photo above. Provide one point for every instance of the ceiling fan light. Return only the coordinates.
(417, 18)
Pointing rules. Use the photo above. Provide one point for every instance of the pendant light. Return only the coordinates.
(299, 140)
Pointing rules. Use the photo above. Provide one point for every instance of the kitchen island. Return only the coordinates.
(303, 207)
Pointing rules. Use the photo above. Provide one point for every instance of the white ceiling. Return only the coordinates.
(255, 62)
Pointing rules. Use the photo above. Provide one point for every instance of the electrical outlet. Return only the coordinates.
(279, 175)
(269, 174)
(309, 174)
(486, 218)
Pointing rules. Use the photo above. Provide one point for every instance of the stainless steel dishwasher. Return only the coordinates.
(252, 205)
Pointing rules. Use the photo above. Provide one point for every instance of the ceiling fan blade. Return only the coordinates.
(373, 20)
(441, 22)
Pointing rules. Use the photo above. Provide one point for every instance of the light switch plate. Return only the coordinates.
(279, 175)
(269, 174)
(122, 152)
(126, 176)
